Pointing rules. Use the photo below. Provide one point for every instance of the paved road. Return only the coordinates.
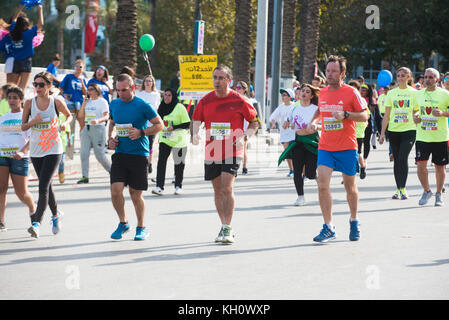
(403, 253)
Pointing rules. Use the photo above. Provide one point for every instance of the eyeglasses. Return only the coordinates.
(148, 80)
(123, 90)
(39, 84)
(285, 95)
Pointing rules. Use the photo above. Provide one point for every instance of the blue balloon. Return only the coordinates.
(30, 3)
(384, 78)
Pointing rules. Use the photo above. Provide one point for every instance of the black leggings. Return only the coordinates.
(401, 144)
(179, 157)
(301, 157)
(367, 141)
(45, 168)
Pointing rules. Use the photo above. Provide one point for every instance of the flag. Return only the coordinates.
(90, 31)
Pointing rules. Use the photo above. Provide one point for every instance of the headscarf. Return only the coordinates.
(165, 109)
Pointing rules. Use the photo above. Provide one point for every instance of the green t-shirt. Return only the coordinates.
(431, 128)
(381, 102)
(360, 127)
(176, 138)
(402, 103)
(4, 107)
(63, 134)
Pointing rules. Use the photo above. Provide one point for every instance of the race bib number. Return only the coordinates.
(8, 152)
(91, 115)
(42, 126)
(332, 124)
(401, 116)
(123, 129)
(429, 123)
(220, 130)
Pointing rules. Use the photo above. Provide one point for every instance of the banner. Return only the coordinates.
(90, 32)
(196, 76)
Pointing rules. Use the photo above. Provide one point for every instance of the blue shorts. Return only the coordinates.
(19, 167)
(73, 105)
(344, 161)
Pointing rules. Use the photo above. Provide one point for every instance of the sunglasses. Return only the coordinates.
(123, 90)
(39, 84)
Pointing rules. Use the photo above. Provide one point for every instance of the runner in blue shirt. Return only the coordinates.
(129, 116)
(101, 77)
(53, 69)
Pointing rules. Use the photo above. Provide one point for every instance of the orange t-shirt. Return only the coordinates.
(339, 135)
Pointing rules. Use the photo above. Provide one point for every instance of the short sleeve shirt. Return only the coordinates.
(24, 48)
(224, 122)
(127, 115)
(402, 103)
(431, 128)
(72, 86)
(339, 135)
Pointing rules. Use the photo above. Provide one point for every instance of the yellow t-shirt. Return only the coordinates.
(431, 128)
(360, 127)
(381, 102)
(402, 103)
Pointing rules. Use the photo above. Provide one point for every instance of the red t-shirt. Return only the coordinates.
(338, 135)
(223, 118)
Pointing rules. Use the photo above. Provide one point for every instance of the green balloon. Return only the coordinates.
(146, 42)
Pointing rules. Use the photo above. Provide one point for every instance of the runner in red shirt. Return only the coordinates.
(223, 111)
(340, 107)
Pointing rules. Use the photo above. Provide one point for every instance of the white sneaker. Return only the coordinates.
(219, 238)
(300, 201)
(228, 235)
(178, 190)
(157, 191)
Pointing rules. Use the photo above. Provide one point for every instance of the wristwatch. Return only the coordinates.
(346, 113)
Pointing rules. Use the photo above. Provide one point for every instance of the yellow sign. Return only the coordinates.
(196, 76)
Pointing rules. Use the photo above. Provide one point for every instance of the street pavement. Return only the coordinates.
(402, 254)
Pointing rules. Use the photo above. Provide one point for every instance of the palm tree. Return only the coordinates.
(125, 52)
(308, 43)
(60, 7)
(242, 41)
(288, 39)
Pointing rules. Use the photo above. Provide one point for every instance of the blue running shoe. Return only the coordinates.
(325, 235)
(121, 229)
(354, 234)
(34, 229)
(141, 233)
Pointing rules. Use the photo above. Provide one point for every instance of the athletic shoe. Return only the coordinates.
(245, 171)
(228, 235)
(290, 174)
(300, 201)
(157, 191)
(61, 177)
(362, 173)
(2, 227)
(153, 180)
(56, 222)
(397, 195)
(219, 238)
(141, 233)
(403, 193)
(354, 234)
(34, 230)
(178, 190)
(83, 180)
(426, 195)
(325, 235)
(438, 201)
(120, 231)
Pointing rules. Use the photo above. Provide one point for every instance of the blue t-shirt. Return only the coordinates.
(104, 88)
(127, 115)
(72, 85)
(24, 48)
(6, 46)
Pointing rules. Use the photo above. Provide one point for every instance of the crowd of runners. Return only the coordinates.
(325, 126)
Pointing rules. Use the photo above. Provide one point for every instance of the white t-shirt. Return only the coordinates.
(95, 109)
(153, 98)
(12, 138)
(280, 115)
(301, 116)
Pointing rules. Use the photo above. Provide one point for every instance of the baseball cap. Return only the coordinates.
(289, 92)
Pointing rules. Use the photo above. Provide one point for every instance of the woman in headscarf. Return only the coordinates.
(172, 138)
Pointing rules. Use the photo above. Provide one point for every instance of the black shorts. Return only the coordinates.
(130, 169)
(438, 150)
(213, 170)
(24, 65)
